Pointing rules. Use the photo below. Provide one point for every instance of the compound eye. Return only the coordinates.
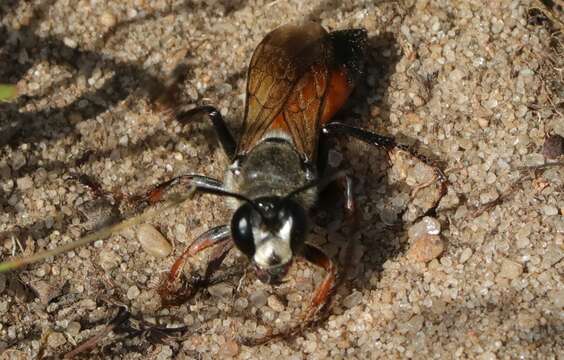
(242, 230)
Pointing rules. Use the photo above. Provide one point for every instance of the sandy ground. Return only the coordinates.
(477, 86)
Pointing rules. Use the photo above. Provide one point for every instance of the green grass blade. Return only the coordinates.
(8, 92)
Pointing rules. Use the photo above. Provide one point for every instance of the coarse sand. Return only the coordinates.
(476, 85)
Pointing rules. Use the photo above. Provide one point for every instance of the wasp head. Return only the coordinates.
(270, 231)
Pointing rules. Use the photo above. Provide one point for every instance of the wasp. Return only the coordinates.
(299, 77)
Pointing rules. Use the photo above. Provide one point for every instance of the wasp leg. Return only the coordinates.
(95, 186)
(157, 193)
(175, 291)
(320, 300)
(225, 137)
(322, 295)
(389, 144)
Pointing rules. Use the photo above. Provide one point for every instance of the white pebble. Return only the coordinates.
(221, 290)
(465, 255)
(352, 300)
(550, 210)
(133, 292)
(108, 19)
(557, 298)
(275, 304)
(153, 242)
(427, 226)
(258, 298)
(70, 42)
(24, 183)
(56, 339)
(510, 269)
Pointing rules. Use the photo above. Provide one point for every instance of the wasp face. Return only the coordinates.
(270, 234)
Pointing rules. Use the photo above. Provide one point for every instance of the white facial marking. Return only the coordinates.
(286, 230)
(267, 245)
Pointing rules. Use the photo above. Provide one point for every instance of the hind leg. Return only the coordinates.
(390, 145)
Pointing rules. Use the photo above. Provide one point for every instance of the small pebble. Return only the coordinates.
(24, 183)
(153, 242)
(310, 346)
(108, 19)
(557, 298)
(231, 348)
(465, 255)
(133, 292)
(73, 328)
(70, 42)
(550, 210)
(522, 237)
(352, 300)
(510, 269)
(46, 291)
(258, 298)
(221, 290)
(527, 320)
(18, 160)
(552, 255)
(88, 304)
(56, 339)
(426, 248)
(483, 122)
(241, 304)
(275, 304)
(553, 146)
(488, 356)
(108, 259)
(427, 226)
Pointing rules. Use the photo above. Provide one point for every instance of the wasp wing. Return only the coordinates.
(277, 65)
(324, 87)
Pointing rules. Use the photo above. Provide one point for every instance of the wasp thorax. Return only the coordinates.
(273, 168)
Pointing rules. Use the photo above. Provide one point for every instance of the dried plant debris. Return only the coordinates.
(477, 86)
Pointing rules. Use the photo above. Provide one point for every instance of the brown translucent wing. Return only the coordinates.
(303, 109)
(279, 64)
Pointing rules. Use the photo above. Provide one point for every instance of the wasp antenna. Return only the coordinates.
(320, 183)
(222, 192)
(97, 235)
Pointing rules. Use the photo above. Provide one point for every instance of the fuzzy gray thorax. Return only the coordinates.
(272, 168)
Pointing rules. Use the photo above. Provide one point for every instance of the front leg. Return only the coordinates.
(389, 144)
(200, 182)
(174, 291)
